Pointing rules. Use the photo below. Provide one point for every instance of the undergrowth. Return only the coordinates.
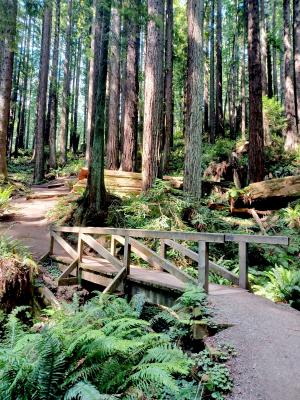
(105, 350)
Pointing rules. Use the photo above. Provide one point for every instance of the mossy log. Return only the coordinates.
(271, 194)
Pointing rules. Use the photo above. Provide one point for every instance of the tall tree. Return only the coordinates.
(93, 76)
(219, 67)
(263, 48)
(256, 132)
(153, 103)
(112, 149)
(74, 136)
(42, 94)
(168, 93)
(64, 122)
(292, 139)
(53, 91)
(131, 92)
(274, 49)
(194, 94)
(297, 55)
(8, 15)
(96, 186)
(212, 75)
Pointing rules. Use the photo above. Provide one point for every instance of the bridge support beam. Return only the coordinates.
(203, 263)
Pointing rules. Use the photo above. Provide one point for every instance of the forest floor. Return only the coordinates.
(265, 335)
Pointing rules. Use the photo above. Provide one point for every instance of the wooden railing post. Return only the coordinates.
(79, 248)
(127, 252)
(243, 263)
(203, 263)
(113, 246)
(51, 244)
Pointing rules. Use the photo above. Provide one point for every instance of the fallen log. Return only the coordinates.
(273, 193)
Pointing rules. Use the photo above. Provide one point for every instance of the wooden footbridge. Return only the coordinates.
(103, 257)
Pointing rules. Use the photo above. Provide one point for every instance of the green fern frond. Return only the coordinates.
(151, 376)
(122, 327)
(86, 391)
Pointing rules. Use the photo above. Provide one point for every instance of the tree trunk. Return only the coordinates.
(297, 55)
(93, 77)
(256, 133)
(212, 120)
(194, 94)
(53, 91)
(96, 187)
(64, 122)
(219, 79)
(131, 96)
(20, 139)
(74, 133)
(263, 48)
(153, 103)
(169, 103)
(274, 51)
(42, 95)
(112, 147)
(8, 11)
(243, 84)
(292, 139)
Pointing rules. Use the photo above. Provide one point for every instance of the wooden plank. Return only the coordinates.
(118, 279)
(140, 233)
(79, 248)
(282, 240)
(69, 249)
(113, 246)
(218, 269)
(203, 265)
(67, 281)
(243, 261)
(101, 250)
(69, 269)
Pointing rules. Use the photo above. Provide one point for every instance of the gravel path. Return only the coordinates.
(266, 337)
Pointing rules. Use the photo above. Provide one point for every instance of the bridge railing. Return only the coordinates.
(128, 238)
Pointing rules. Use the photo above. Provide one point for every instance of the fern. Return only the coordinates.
(86, 391)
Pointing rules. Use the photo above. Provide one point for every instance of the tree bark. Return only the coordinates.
(292, 139)
(96, 186)
(212, 116)
(53, 91)
(153, 103)
(297, 55)
(8, 15)
(256, 133)
(219, 79)
(263, 48)
(42, 95)
(131, 96)
(64, 122)
(74, 133)
(243, 84)
(168, 101)
(194, 94)
(112, 147)
(274, 51)
(93, 77)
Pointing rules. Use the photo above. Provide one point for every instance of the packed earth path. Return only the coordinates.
(266, 336)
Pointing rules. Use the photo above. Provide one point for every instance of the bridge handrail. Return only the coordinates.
(169, 238)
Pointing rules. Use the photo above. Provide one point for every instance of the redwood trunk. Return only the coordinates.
(112, 148)
(42, 96)
(256, 134)
(219, 79)
(297, 56)
(7, 34)
(194, 94)
(131, 98)
(153, 103)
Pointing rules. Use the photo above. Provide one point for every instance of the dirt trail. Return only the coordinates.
(265, 335)
(28, 221)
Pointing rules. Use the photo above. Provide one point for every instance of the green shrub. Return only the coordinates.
(274, 115)
(5, 197)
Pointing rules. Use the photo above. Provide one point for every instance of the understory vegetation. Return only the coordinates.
(109, 349)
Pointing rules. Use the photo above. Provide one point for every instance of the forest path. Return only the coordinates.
(266, 337)
(28, 222)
